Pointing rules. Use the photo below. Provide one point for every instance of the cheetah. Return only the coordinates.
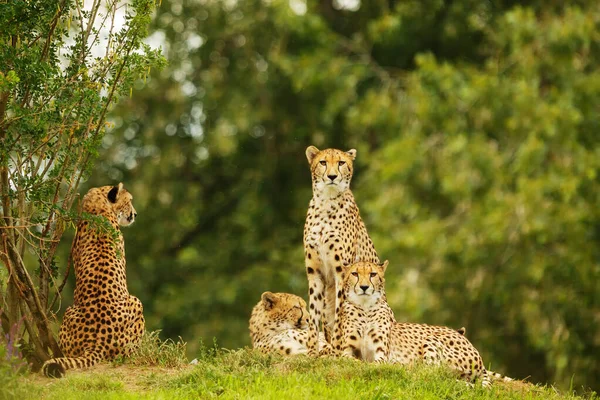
(365, 320)
(279, 323)
(334, 236)
(105, 320)
(371, 333)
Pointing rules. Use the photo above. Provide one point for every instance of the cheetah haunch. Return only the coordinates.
(334, 236)
(279, 323)
(371, 333)
(104, 320)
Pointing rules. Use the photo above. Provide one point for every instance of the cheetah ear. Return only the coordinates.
(384, 265)
(352, 153)
(269, 300)
(114, 192)
(311, 152)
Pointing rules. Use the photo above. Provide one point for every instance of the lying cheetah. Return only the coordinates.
(334, 236)
(279, 323)
(104, 320)
(371, 333)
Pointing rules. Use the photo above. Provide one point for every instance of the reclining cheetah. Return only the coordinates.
(371, 333)
(279, 323)
(334, 236)
(104, 320)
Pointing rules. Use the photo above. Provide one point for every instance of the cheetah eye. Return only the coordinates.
(373, 274)
(323, 162)
(355, 274)
(342, 163)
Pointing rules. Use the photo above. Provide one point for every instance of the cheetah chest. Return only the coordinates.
(330, 231)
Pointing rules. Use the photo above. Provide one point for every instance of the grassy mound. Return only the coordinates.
(159, 371)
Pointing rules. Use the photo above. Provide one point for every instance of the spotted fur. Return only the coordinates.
(334, 236)
(105, 320)
(365, 320)
(371, 333)
(279, 323)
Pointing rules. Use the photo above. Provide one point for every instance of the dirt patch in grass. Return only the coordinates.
(136, 379)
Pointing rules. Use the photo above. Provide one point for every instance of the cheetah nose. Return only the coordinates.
(364, 287)
(332, 177)
(135, 214)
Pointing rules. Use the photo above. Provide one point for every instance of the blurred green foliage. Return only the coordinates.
(476, 124)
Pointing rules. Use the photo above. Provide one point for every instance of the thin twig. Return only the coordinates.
(68, 270)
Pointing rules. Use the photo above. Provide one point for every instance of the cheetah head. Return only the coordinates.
(331, 170)
(120, 201)
(285, 310)
(364, 283)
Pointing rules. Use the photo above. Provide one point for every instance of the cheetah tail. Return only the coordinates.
(489, 377)
(57, 367)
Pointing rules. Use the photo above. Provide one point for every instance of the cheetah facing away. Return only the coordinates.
(279, 323)
(371, 333)
(104, 320)
(334, 236)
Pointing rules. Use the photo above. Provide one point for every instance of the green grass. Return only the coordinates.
(152, 351)
(246, 374)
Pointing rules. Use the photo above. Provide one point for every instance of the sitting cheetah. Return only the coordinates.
(279, 323)
(104, 320)
(334, 236)
(371, 333)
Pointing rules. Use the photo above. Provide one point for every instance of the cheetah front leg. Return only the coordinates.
(338, 330)
(338, 258)
(350, 335)
(290, 343)
(336, 294)
(316, 298)
(378, 340)
(379, 335)
(329, 312)
(325, 348)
